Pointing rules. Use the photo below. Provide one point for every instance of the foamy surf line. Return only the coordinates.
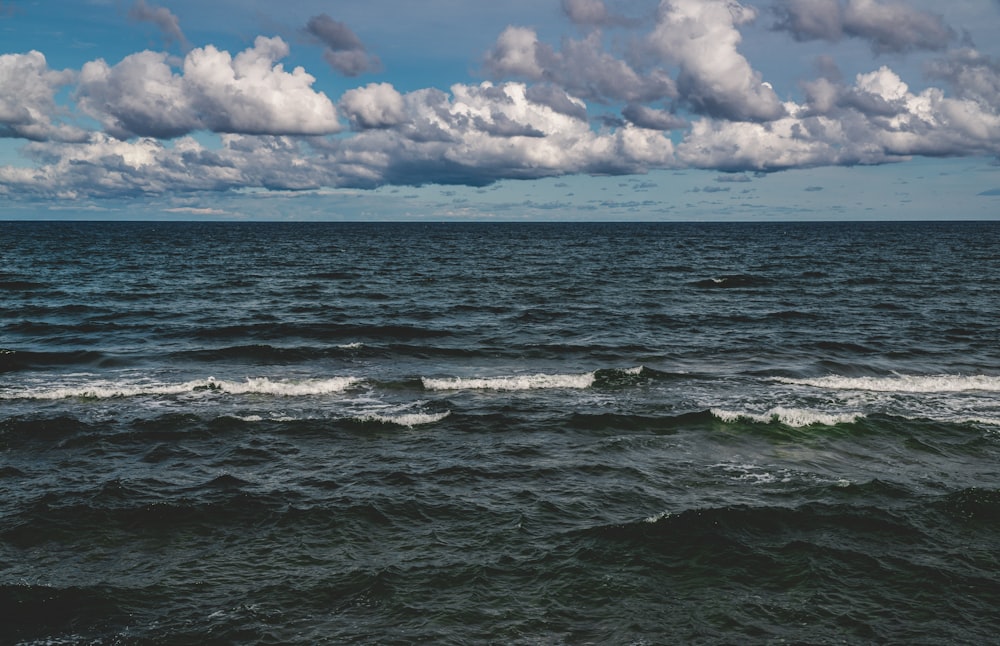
(255, 385)
(516, 382)
(903, 383)
(795, 417)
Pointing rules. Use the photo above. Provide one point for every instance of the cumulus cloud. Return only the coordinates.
(475, 135)
(27, 98)
(162, 18)
(889, 27)
(878, 119)
(702, 38)
(378, 105)
(250, 93)
(582, 68)
(683, 79)
(344, 50)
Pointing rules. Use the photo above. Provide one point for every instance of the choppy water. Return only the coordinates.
(442, 433)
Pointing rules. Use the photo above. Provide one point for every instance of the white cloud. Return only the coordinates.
(377, 105)
(475, 136)
(27, 99)
(701, 36)
(250, 93)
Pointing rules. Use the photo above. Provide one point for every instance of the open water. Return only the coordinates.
(499, 433)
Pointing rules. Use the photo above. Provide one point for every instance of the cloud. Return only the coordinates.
(487, 132)
(646, 117)
(164, 20)
(378, 105)
(474, 136)
(27, 99)
(889, 27)
(701, 37)
(582, 68)
(344, 50)
(877, 120)
(250, 93)
(971, 75)
(593, 13)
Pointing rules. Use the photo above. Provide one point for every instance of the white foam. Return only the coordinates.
(796, 417)
(407, 419)
(256, 385)
(264, 386)
(515, 382)
(903, 383)
(351, 346)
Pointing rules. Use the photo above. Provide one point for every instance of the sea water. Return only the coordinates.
(499, 433)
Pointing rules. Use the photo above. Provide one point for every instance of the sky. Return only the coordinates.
(674, 110)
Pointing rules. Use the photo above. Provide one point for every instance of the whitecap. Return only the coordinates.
(903, 383)
(407, 419)
(254, 385)
(514, 382)
(796, 417)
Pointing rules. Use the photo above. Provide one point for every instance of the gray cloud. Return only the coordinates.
(594, 13)
(162, 18)
(581, 67)
(646, 117)
(344, 50)
(888, 26)
(971, 74)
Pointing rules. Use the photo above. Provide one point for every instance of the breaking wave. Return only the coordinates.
(903, 383)
(253, 385)
(610, 377)
(795, 417)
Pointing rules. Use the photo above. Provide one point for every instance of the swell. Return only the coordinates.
(870, 552)
(277, 331)
(16, 360)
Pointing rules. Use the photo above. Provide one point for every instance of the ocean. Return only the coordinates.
(328, 433)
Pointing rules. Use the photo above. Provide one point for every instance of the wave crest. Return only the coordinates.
(513, 382)
(903, 383)
(252, 385)
(794, 417)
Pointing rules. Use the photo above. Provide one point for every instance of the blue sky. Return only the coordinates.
(542, 109)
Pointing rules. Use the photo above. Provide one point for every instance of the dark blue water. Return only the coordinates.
(499, 433)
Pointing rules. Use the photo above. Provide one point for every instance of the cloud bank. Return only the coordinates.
(677, 91)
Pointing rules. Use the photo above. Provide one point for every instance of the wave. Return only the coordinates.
(14, 360)
(605, 378)
(406, 419)
(253, 385)
(514, 382)
(903, 383)
(794, 417)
